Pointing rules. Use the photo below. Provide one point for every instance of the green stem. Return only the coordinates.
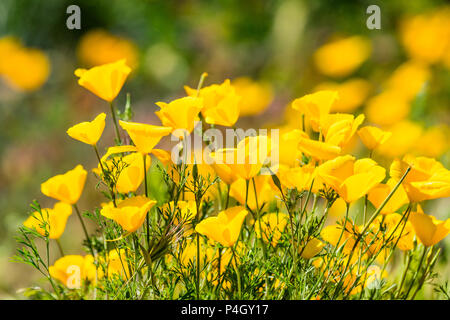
(84, 228)
(116, 126)
(422, 258)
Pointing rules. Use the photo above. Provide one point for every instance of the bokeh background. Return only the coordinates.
(276, 50)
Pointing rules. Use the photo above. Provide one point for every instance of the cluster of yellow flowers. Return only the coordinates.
(313, 160)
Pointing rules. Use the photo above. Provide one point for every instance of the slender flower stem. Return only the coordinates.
(402, 281)
(111, 191)
(147, 220)
(422, 258)
(116, 126)
(84, 228)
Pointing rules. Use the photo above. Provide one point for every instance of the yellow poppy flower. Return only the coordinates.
(316, 106)
(247, 159)
(372, 137)
(433, 142)
(288, 152)
(428, 229)
(54, 219)
(144, 136)
(378, 194)
(117, 264)
(352, 93)
(130, 213)
(180, 113)
(88, 132)
(341, 57)
(272, 225)
(312, 248)
(298, 177)
(339, 129)
(392, 229)
(132, 175)
(225, 227)
(66, 187)
(255, 96)
(223, 170)
(317, 149)
(265, 192)
(188, 210)
(349, 178)
(99, 47)
(104, 81)
(72, 270)
(428, 178)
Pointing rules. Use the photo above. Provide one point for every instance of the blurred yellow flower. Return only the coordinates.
(130, 213)
(72, 270)
(88, 132)
(180, 113)
(387, 108)
(54, 220)
(25, 69)
(225, 227)
(390, 227)
(316, 106)
(341, 57)
(352, 93)
(426, 36)
(99, 47)
(408, 79)
(404, 138)
(433, 142)
(312, 248)
(429, 230)
(105, 80)
(255, 96)
(272, 225)
(349, 178)
(145, 136)
(66, 187)
(428, 178)
(372, 137)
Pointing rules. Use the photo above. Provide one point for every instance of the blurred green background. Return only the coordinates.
(173, 43)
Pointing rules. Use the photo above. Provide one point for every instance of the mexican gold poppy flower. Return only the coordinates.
(392, 228)
(372, 137)
(312, 248)
(272, 226)
(288, 152)
(298, 177)
(88, 132)
(66, 187)
(223, 170)
(247, 159)
(317, 149)
(316, 106)
(117, 263)
(225, 227)
(264, 191)
(428, 178)
(349, 178)
(341, 57)
(145, 136)
(130, 213)
(378, 194)
(99, 47)
(339, 129)
(255, 96)
(428, 229)
(104, 81)
(72, 270)
(132, 175)
(352, 93)
(180, 113)
(54, 220)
